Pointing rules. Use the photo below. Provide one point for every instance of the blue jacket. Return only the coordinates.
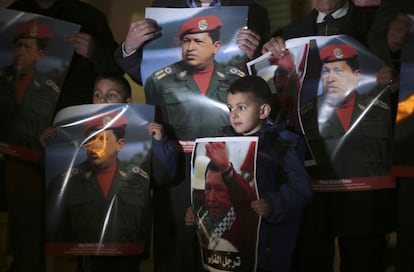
(283, 181)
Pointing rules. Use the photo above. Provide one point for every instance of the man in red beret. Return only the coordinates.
(24, 88)
(340, 73)
(111, 191)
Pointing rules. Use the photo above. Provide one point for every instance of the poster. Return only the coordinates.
(346, 117)
(34, 61)
(344, 114)
(188, 69)
(227, 228)
(97, 180)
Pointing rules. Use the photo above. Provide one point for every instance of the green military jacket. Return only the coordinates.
(184, 109)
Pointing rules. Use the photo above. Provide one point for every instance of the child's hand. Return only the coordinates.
(48, 134)
(156, 130)
(260, 206)
(189, 217)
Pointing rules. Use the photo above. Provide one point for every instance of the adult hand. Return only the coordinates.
(217, 152)
(386, 76)
(398, 32)
(82, 42)
(155, 130)
(139, 32)
(248, 41)
(276, 45)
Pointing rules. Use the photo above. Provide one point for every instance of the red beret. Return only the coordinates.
(200, 24)
(33, 29)
(337, 52)
(105, 121)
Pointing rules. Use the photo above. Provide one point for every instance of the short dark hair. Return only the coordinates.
(254, 85)
(214, 35)
(126, 87)
(119, 132)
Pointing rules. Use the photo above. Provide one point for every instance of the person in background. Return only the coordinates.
(327, 17)
(283, 184)
(397, 35)
(359, 209)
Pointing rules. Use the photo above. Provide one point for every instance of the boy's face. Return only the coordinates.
(109, 91)
(246, 116)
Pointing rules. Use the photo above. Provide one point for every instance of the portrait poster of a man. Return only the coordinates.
(346, 117)
(403, 161)
(223, 186)
(35, 59)
(98, 170)
(187, 70)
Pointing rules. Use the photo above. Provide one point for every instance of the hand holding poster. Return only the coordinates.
(97, 189)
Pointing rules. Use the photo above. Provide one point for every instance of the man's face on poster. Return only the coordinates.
(26, 54)
(103, 148)
(217, 198)
(338, 81)
(198, 50)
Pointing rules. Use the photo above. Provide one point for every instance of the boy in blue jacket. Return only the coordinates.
(283, 184)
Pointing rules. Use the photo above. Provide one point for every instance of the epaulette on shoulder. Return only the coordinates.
(75, 171)
(382, 104)
(53, 85)
(166, 71)
(230, 70)
(133, 169)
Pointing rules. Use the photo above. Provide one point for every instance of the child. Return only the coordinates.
(283, 184)
(112, 88)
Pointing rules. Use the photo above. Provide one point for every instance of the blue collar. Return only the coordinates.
(193, 4)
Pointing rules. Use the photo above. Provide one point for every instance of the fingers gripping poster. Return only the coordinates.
(223, 185)
(97, 180)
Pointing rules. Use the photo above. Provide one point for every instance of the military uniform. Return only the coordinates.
(79, 216)
(183, 108)
(337, 152)
(23, 122)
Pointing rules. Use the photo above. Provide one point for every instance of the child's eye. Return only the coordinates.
(242, 107)
(97, 95)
